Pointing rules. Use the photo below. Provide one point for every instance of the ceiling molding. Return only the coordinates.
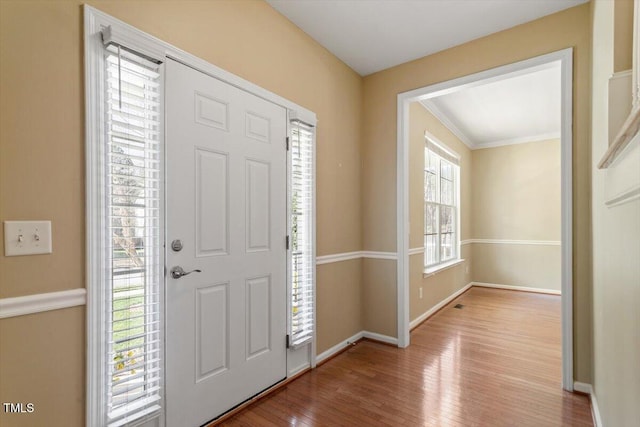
(444, 119)
(519, 140)
(452, 116)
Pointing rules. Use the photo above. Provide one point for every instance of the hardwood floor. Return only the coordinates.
(495, 362)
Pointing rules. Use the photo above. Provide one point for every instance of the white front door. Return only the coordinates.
(226, 204)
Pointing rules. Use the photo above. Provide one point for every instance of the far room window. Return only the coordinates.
(441, 204)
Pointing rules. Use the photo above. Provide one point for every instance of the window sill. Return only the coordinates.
(428, 272)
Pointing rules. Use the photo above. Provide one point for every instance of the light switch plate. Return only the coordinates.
(27, 238)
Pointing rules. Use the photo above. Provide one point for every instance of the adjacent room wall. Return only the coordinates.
(439, 286)
(569, 28)
(616, 252)
(42, 356)
(516, 196)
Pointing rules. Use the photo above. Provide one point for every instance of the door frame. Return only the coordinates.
(97, 23)
(565, 57)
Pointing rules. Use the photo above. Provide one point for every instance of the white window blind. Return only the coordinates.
(133, 237)
(440, 205)
(302, 276)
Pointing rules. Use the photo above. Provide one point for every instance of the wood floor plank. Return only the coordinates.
(495, 362)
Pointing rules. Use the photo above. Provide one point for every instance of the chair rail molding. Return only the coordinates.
(513, 242)
(39, 303)
(346, 256)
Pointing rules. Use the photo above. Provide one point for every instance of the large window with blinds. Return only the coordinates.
(441, 205)
(132, 239)
(301, 320)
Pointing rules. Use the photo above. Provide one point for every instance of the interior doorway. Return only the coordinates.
(564, 59)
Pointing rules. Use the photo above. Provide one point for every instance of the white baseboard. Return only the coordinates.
(517, 288)
(379, 337)
(595, 411)
(38, 303)
(353, 339)
(338, 347)
(295, 371)
(424, 316)
(583, 388)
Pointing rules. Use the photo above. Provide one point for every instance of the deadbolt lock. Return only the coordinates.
(176, 245)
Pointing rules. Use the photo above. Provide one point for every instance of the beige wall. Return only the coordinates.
(516, 196)
(42, 166)
(343, 317)
(437, 287)
(623, 35)
(376, 292)
(516, 192)
(42, 362)
(570, 28)
(530, 266)
(616, 252)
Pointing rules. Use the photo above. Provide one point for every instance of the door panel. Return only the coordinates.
(257, 206)
(226, 201)
(258, 316)
(212, 204)
(212, 330)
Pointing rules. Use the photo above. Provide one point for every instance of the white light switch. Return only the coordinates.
(27, 238)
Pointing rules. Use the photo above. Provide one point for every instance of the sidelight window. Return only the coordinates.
(128, 238)
(302, 226)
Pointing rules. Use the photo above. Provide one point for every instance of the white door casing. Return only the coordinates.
(226, 202)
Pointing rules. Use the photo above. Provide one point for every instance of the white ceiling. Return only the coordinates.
(521, 108)
(371, 35)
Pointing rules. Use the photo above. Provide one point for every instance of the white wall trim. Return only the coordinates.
(427, 314)
(338, 347)
(622, 184)
(595, 411)
(39, 303)
(295, 371)
(346, 256)
(431, 271)
(515, 242)
(379, 255)
(474, 145)
(404, 99)
(326, 259)
(379, 337)
(520, 140)
(583, 388)
(352, 340)
(624, 197)
(416, 251)
(444, 119)
(466, 242)
(517, 288)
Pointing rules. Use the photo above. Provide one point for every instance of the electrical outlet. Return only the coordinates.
(420, 292)
(466, 269)
(27, 238)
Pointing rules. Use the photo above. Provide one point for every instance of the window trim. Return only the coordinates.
(124, 34)
(453, 158)
(428, 272)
